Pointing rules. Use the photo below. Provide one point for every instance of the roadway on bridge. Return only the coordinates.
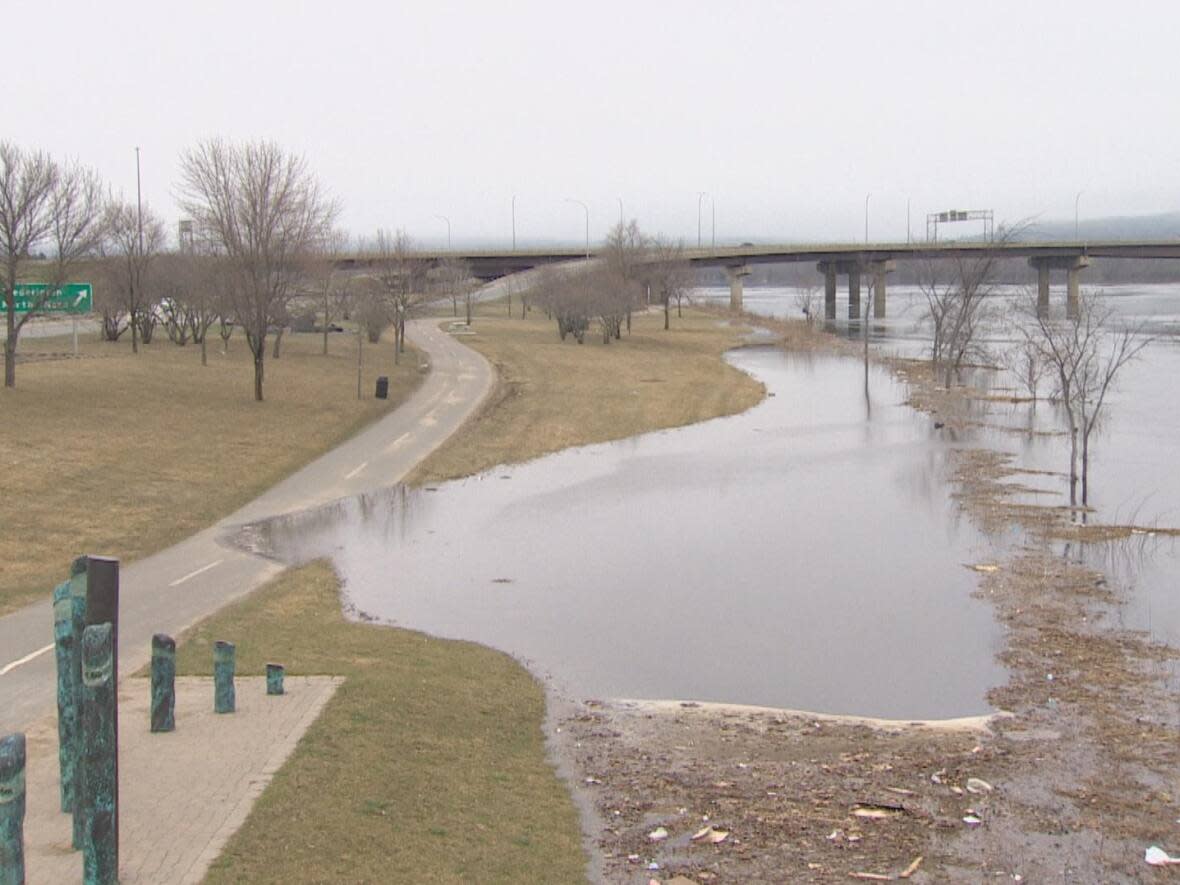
(174, 588)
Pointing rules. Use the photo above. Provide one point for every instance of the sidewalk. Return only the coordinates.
(181, 794)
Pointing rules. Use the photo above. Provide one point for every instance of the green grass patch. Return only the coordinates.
(428, 765)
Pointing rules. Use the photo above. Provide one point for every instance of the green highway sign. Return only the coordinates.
(68, 298)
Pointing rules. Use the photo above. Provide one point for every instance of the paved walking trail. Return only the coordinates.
(176, 587)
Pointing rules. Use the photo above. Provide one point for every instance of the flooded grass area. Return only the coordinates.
(804, 554)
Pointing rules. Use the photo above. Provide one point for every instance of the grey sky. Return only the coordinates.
(787, 113)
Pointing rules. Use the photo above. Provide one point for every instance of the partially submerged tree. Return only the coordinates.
(44, 205)
(1084, 353)
(669, 275)
(264, 210)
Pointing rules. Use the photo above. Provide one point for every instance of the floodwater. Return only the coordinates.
(804, 554)
(1134, 451)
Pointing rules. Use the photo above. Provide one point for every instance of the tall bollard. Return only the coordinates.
(69, 684)
(223, 677)
(12, 810)
(78, 585)
(100, 843)
(274, 678)
(102, 607)
(163, 683)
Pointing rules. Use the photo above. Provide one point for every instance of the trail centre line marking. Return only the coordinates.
(353, 473)
(199, 571)
(8, 668)
(397, 442)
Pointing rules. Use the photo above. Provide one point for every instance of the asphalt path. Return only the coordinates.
(174, 588)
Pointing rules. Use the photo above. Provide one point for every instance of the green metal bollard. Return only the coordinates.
(78, 585)
(274, 678)
(12, 809)
(100, 843)
(69, 679)
(223, 677)
(163, 683)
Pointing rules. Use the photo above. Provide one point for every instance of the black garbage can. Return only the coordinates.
(382, 387)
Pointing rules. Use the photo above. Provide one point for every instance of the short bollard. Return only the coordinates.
(163, 683)
(69, 685)
(274, 678)
(100, 843)
(223, 677)
(12, 810)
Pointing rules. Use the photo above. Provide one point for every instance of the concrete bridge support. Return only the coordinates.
(1072, 265)
(829, 271)
(735, 274)
(854, 269)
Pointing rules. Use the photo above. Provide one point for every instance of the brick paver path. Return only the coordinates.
(182, 794)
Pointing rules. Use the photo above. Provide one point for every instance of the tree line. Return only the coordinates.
(260, 253)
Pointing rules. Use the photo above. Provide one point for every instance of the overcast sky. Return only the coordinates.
(786, 114)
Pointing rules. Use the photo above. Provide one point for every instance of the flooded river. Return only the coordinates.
(804, 554)
(1134, 451)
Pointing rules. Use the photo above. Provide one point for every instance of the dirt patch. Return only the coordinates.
(1073, 786)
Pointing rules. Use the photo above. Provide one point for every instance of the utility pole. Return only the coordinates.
(514, 222)
(1076, 201)
(713, 209)
(867, 196)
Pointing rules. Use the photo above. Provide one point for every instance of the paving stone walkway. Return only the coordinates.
(182, 794)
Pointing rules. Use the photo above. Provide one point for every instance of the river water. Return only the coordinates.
(1134, 452)
(804, 554)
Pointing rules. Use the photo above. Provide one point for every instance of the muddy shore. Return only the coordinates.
(1072, 784)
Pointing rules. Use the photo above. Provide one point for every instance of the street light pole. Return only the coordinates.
(713, 209)
(138, 204)
(867, 196)
(1076, 201)
(700, 196)
(514, 222)
(620, 212)
(585, 209)
(448, 221)
(907, 221)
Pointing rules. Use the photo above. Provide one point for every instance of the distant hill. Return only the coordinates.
(1164, 226)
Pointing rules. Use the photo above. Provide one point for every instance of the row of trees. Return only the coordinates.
(634, 270)
(262, 247)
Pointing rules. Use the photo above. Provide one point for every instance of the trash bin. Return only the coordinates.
(382, 387)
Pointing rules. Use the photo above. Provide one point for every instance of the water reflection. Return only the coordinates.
(804, 554)
(1134, 451)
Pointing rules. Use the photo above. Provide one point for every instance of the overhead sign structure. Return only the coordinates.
(67, 298)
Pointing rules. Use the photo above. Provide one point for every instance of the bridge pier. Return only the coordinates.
(736, 273)
(853, 269)
(1072, 265)
(829, 271)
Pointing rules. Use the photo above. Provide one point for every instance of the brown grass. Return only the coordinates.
(553, 394)
(427, 766)
(124, 455)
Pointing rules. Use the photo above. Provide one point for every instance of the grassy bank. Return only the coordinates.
(124, 455)
(553, 394)
(427, 766)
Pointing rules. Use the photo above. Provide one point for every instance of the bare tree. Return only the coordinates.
(957, 294)
(329, 282)
(626, 255)
(265, 210)
(452, 277)
(372, 307)
(1084, 352)
(43, 204)
(669, 275)
(133, 239)
(190, 296)
(402, 274)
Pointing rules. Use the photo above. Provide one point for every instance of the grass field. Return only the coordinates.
(427, 766)
(124, 455)
(553, 394)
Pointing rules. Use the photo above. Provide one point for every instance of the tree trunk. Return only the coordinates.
(1073, 464)
(278, 341)
(667, 314)
(10, 361)
(204, 352)
(258, 358)
(134, 332)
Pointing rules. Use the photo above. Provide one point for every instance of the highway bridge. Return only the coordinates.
(853, 260)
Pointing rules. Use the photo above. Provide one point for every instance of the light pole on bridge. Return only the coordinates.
(1076, 201)
(700, 196)
(867, 196)
(514, 222)
(585, 209)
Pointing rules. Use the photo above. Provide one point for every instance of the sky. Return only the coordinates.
(788, 116)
